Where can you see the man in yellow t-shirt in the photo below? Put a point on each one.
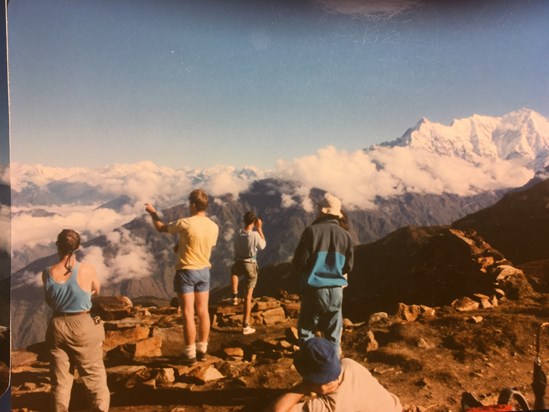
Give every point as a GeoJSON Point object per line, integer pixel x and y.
{"type": "Point", "coordinates": [197, 236]}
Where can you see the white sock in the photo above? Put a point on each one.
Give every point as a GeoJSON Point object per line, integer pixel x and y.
{"type": "Point", "coordinates": [202, 347]}
{"type": "Point", "coordinates": [190, 351]}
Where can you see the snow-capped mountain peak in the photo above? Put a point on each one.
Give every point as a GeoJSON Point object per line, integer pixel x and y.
{"type": "Point", "coordinates": [522, 136]}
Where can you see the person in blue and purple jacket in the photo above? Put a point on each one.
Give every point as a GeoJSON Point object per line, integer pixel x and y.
{"type": "Point", "coordinates": [322, 259]}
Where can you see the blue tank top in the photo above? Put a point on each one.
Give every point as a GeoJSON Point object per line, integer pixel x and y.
{"type": "Point", "coordinates": [67, 297]}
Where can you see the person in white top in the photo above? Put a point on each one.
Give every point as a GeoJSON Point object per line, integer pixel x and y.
{"type": "Point", "coordinates": [246, 245]}
{"type": "Point", "coordinates": [341, 385]}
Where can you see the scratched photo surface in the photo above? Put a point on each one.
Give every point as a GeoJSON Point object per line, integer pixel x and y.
{"type": "Point", "coordinates": [4, 216]}
{"type": "Point", "coordinates": [412, 112]}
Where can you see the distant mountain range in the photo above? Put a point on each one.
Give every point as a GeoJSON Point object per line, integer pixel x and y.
{"type": "Point", "coordinates": [426, 189]}
{"type": "Point", "coordinates": [521, 136]}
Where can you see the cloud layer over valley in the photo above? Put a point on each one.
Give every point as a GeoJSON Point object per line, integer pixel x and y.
{"type": "Point", "coordinates": [97, 201]}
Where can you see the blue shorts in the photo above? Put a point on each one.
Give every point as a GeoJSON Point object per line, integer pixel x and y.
{"type": "Point", "coordinates": [191, 280]}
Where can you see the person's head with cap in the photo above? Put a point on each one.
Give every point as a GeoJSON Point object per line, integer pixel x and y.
{"type": "Point", "coordinates": [317, 361]}
{"type": "Point", "coordinates": [330, 205]}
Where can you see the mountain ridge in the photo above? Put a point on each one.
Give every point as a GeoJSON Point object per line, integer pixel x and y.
{"type": "Point", "coordinates": [520, 137]}
{"type": "Point", "coordinates": [522, 134]}
{"type": "Point", "coordinates": [282, 225]}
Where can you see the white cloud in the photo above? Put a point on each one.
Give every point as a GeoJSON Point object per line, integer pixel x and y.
{"type": "Point", "coordinates": [345, 174]}
{"type": "Point", "coordinates": [222, 180]}
{"type": "Point", "coordinates": [379, 9]}
{"type": "Point", "coordinates": [94, 256]}
{"type": "Point", "coordinates": [358, 177]}
{"type": "Point", "coordinates": [287, 200]}
{"type": "Point", "coordinates": [33, 278]}
{"type": "Point", "coordinates": [30, 230]}
{"type": "Point", "coordinates": [228, 234]}
{"type": "Point", "coordinates": [23, 174]}
{"type": "Point", "coordinates": [132, 260]}
{"type": "Point", "coordinates": [141, 182]}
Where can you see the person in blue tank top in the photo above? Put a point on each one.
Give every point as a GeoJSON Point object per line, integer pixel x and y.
{"type": "Point", "coordinates": [75, 339]}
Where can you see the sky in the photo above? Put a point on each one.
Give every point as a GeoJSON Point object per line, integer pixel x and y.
{"type": "Point", "coordinates": [189, 84]}
{"type": "Point", "coordinates": [4, 111]}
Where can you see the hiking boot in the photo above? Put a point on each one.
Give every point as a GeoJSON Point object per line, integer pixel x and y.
{"type": "Point", "coordinates": [247, 330]}
{"type": "Point", "coordinates": [186, 361]}
{"type": "Point", "coordinates": [200, 356]}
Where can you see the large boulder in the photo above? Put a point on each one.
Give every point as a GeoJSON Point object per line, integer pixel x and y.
{"type": "Point", "coordinates": [112, 307]}
{"type": "Point", "coordinates": [431, 266]}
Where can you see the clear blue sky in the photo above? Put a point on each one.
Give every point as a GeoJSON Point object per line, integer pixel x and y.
{"type": "Point", "coordinates": [200, 83]}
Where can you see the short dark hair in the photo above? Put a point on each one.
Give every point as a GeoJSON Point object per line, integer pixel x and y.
{"type": "Point", "coordinates": [67, 241]}
{"type": "Point", "coordinates": [199, 199]}
{"type": "Point", "coordinates": [249, 218]}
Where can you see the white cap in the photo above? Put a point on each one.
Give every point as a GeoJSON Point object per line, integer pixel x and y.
{"type": "Point", "coordinates": [330, 205]}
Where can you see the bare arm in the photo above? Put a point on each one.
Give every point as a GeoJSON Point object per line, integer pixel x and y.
{"type": "Point", "coordinates": [87, 279]}
{"type": "Point", "coordinates": [259, 228]}
{"type": "Point", "coordinates": [288, 401]}
{"type": "Point", "coordinates": [44, 275]}
{"type": "Point", "coordinates": [161, 227]}
{"type": "Point", "coordinates": [95, 286]}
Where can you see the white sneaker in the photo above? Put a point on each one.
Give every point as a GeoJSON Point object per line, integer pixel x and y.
{"type": "Point", "coordinates": [247, 330]}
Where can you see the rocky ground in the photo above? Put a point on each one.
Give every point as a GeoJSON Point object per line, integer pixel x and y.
{"type": "Point", "coordinates": [478, 335]}
{"type": "Point", "coordinates": [427, 356]}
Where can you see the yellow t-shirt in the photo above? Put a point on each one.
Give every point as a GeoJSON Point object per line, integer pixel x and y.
{"type": "Point", "coordinates": [197, 237]}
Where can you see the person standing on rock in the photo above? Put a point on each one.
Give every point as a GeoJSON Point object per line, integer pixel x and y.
{"type": "Point", "coordinates": [322, 258]}
{"type": "Point", "coordinates": [197, 236]}
{"type": "Point", "coordinates": [340, 384]}
{"type": "Point", "coordinates": [247, 243]}
{"type": "Point", "coordinates": [75, 339]}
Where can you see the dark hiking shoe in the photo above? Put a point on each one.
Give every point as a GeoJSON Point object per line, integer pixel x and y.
{"type": "Point", "coordinates": [200, 356]}
{"type": "Point", "coordinates": [186, 361]}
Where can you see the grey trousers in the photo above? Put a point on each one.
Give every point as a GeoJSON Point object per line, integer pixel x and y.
{"type": "Point", "coordinates": [76, 342]}
{"type": "Point", "coordinates": [321, 310]}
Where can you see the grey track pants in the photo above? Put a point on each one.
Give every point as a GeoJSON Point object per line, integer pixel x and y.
{"type": "Point", "coordinates": [76, 342]}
